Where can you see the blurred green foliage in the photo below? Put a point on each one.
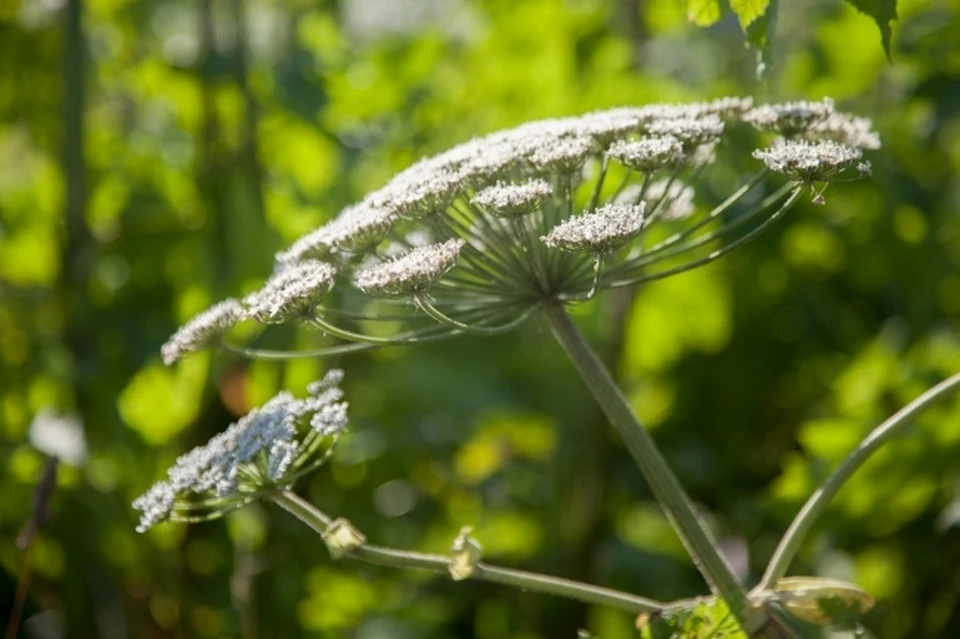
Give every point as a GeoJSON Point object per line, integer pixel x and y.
{"type": "Point", "coordinates": [153, 156]}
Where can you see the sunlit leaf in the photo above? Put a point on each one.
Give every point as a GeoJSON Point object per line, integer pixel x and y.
{"type": "Point", "coordinates": [160, 402]}
{"type": "Point", "coordinates": [883, 13]}
{"type": "Point", "coordinates": [748, 11]}
{"type": "Point", "coordinates": [703, 13]}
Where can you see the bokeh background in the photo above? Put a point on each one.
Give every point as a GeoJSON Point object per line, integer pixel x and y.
{"type": "Point", "coordinates": [154, 155]}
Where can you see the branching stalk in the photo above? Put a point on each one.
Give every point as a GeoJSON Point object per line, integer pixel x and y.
{"type": "Point", "coordinates": [382, 556]}
{"type": "Point", "coordinates": [818, 502]}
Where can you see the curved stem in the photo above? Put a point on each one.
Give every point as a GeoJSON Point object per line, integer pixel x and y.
{"type": "Point", "coordinates": [273, 354]}
{"type": "Point", "coordinates": [308, 514]}
{"type": "Point", "coordinates": [663, 483]}
{"type": "Point", "coordinates": [438, 315]}
{"type": "Point", "coordinates": [817, 502]}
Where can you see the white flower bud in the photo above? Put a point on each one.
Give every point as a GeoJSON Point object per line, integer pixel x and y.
{"type": "Point", "coordinates": [342, 538]}
{"type": "Point", "coordinates": [464, 555]}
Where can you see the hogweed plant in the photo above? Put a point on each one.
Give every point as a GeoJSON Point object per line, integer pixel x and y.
{"type": "Point", "coordinates": [522, 223]}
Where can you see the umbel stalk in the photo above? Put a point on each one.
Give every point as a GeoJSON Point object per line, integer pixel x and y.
{"type": "Point", "coordinates": [663, 483]}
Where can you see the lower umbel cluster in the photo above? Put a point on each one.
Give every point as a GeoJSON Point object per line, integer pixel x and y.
{"type": "Point", "coordinates": [271, 446]}
{"type": "Point", "coordinates": [477, 238]}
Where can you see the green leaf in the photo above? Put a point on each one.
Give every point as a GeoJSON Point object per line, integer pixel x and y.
{"type": "Point", "coordinates": [759, 32]}
{"type": "Point", "coordinates": [883, 13]}
{"type": "Point", "coordinates": [703, 13]}
{"type": "Point", "coordinates": [749, 11]}
{"type": "Point", "coordinates": [707, 618]}
{"type": "Point", "coordinates": [159, 402]}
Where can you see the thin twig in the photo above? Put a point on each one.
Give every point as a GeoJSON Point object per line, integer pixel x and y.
{"type": "Point", "coordinates": [818, 502]}
{"type": "Point", "coordinates": [310, 515]}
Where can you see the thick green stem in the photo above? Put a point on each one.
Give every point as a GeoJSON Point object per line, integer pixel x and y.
{"type": "Point", "coordinates": [310, 515]}
{"type": "Point", "coordinates": [663, 483]}
{"type": "Point", "coordinates": [818, 502]}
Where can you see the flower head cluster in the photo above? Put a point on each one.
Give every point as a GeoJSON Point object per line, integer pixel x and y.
{"type": "Point", "coordinates": [810, 161]}
{"type": "Point", "coordinates": [203, 330]}
{"type": "Point", "coordinates": [476, 238]}
{"type": "Point", "coordinates": [412, 272]}
{"type": "Point", "coordinates": [790, 118]}
{"type": "Point", "coordinates": [647, 154]}
{"type": "Point", "coordinates": [271, 445]}
{"type": "Point", "coordinates": [293, 292]}
{"type": "Point", "coordinates": [512, 200]}
{"type": "Point", "coordinates": [606, 229]}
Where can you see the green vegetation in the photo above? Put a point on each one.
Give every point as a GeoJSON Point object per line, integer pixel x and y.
{"type": "Point", "coordinates": [154, 157]}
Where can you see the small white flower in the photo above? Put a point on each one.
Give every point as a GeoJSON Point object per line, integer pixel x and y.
{"type": "Point", "coordinates": [808, 161]}
{"type": "Point", "coordinates": [280, 458]}
{"type": "Point", "coordinates": [293, 292]}
{"type": "Point", "coordinates": [202, 330]}
{"type": "Point", "coordinates": [155, 505]}
{"type": "Point", "coordinates": [607, 229]}
{"type": "Point", "coordinates": [512, 200]}
{"type": "Point", "coordinates": [647, 154]}
{"type": "Point", "coordinates": [411, 273]}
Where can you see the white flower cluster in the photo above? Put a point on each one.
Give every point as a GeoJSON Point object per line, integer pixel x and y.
{"type": "Point", "coordinates": [202, 330]}
{"type": "Point", "coordinates": [412, 272]}
{"type": "Point", "coordinates": [810, 161]}
{"type": "Point", "coordinates": [690, 131]}
{"type": "Point", "coordinates": [606, 229]}
{"type": "Point", "coordinates": [579, 184]}
{"type": "Point", "coordinates": [846, 129]}
{"type": "Point", "coordinates": [226, 466]}
{"type": "Point", "coordinates": [512, 200]}
{"type": "Point", "coordinates": [790, 118]}
{"type": "Point", "coordinates": [647, 154]}
{"type": "Point", "coordinates": [293, 292]}
{"type": "Point", "coordinates": [533, 149]}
